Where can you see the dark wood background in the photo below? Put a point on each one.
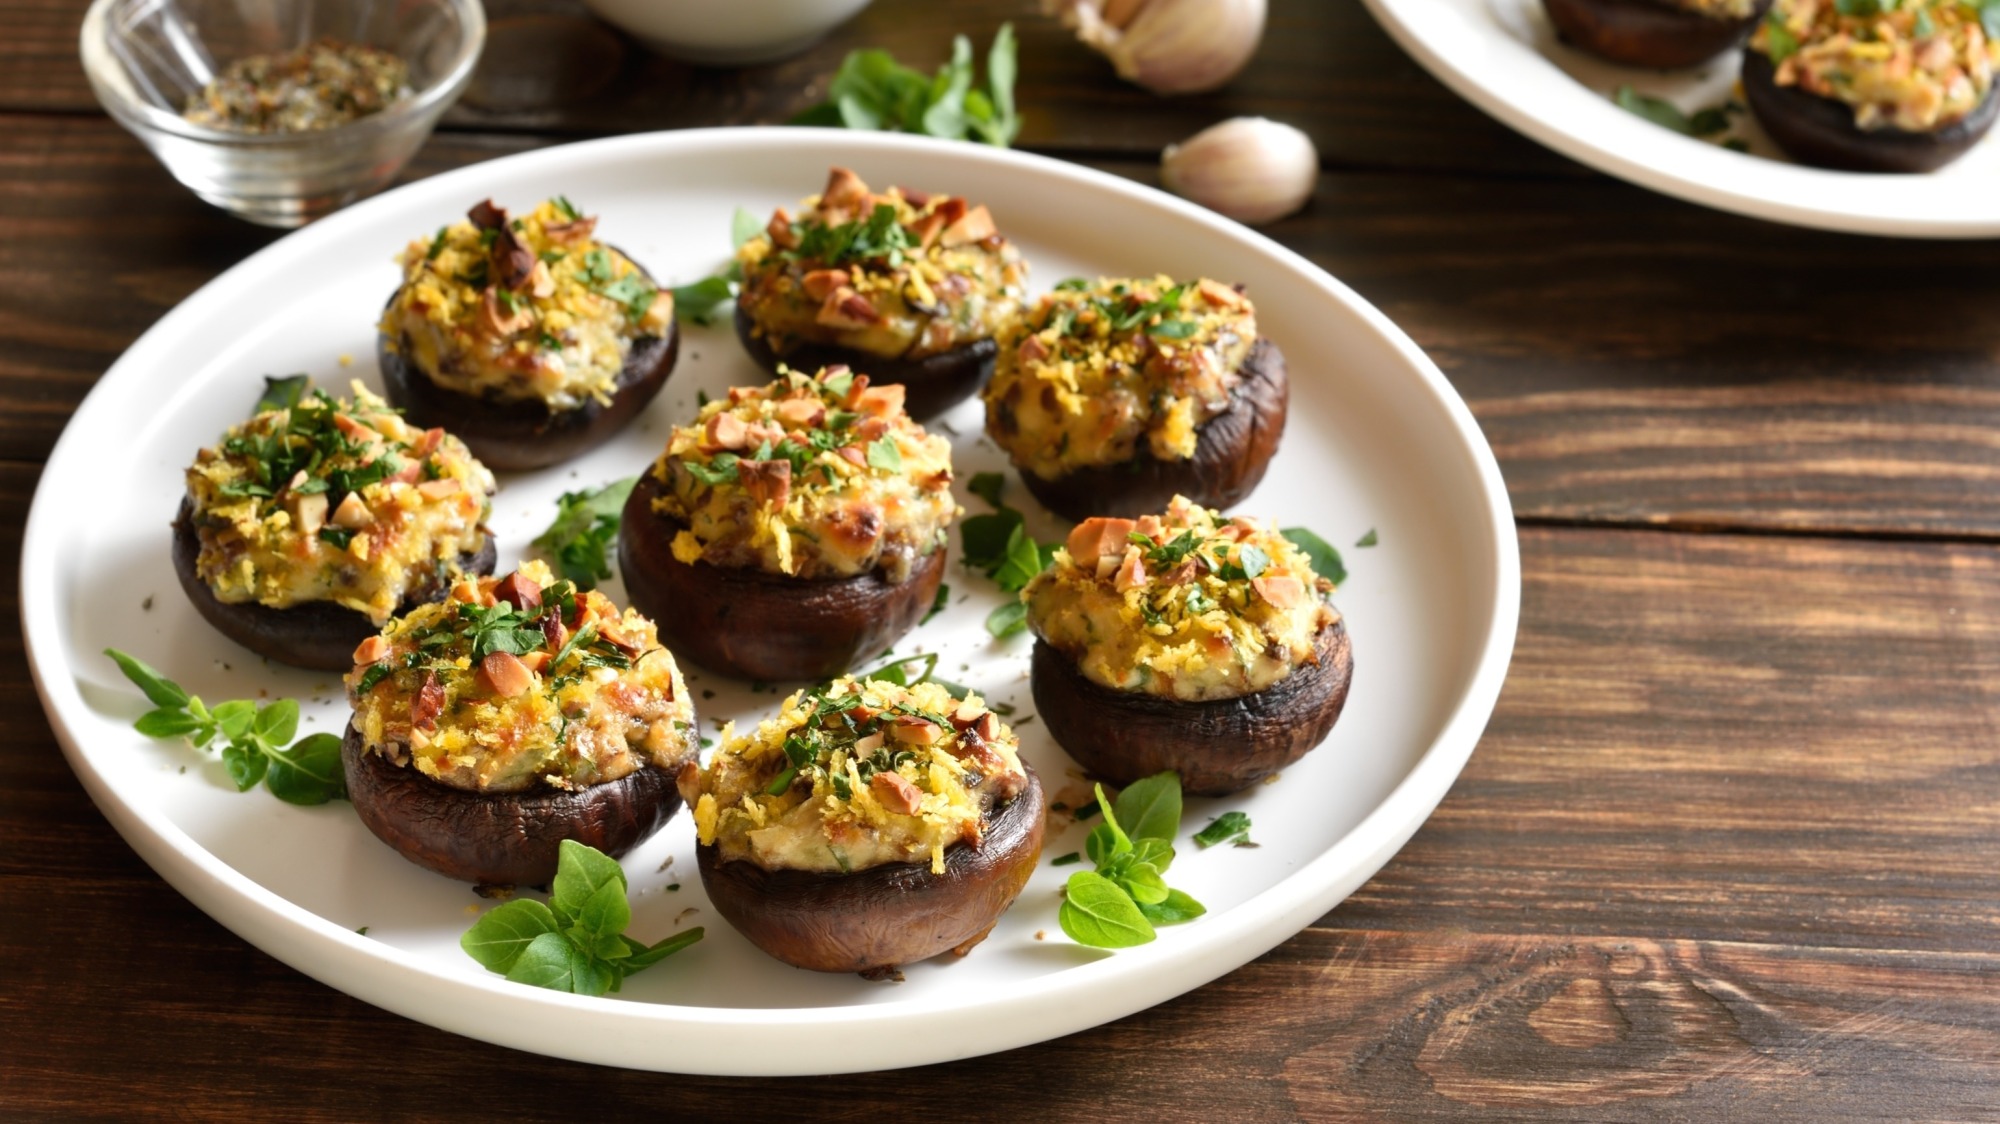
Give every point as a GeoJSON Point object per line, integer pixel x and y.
{"type": "Point", "coordinates": [1730, 847]}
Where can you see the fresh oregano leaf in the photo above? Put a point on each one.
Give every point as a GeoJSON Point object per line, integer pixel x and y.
{"type": "Point", "coordinates": [1150, 808]}
{"type": "Point", "coordinates": [581, 870]}
{"type": "Point", "coordinates": [246, 766]}
{"type": "Point", "coordinates": [308, 773]}
{"type": "Point", "coordinates": [1176, 908]}
{"type": "Point", "coordinates": [551, 961]}
{"type": "Point", "coordinates": [158, 689]}
{"type": "Point", "coordinates": [1099, 913]}
{"type": "Point", "coordinates": [498, 939]}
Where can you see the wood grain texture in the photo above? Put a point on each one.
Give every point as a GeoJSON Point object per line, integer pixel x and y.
{"type": "Point", "coordinates": [1725, 851]}
{"type": "Point", "coordinates": [1324, 66]}
{"type": "Point", "coordinates": [1633, 359]}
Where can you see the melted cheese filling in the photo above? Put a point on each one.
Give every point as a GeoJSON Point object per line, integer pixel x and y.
{"type": "Point", "coordinates": [1094, 370]}
{"type": "Point", "coordinates": [820, 477]}
{"type": "Point", "coordinates": [856, 775]}
{"type": "Point", "coordinates": [570, 716]}
{"type": "Point", "coordinates": [287, 542]}
{"type": "Point", "coordinates": [1205, 608]}
{"type": "Point", "coordinates": [560, 335]}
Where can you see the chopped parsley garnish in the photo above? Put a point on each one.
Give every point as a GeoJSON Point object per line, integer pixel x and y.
{"type": "Point", "coordinates": [878, 237]}
{"type": "Point", "coordinates": [1229, 827]}
{"type": "Point", "coordinates": [306, 441]}
{"type": "Point", "coordinates": [586, 525]}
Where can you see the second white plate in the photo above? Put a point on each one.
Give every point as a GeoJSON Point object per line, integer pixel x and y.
{"type": "Point", "coordinates": [1503, 56]}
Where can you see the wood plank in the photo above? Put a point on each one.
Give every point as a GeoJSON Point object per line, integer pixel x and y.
{"type": "Point", "coordinates": [1324, 65]}
{"type": "Point", "coordinates": [1720, 853]}
{"type": "Point", "coordinates": [1632, 358]}
{"type": "Point", "coordinates": [1701, 736]}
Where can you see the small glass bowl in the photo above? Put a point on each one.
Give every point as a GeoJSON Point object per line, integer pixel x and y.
{"type": "Point", "coordinates": [146, 58]}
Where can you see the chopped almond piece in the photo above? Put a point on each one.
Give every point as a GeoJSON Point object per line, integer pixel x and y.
{"type": "Point", "coordinates": [572, 232]}
{"type": "Point", "coordinates": [439, 489]}
{"type": "Point", "coordinates": [780, 230]}
{"type": "Point", "coordinates": [802, 413]}
{"type": "Point", "coordinates": [619, 640]}
{"type": "Point", "coordinates": [1218, 294]}
{"type": "Point", "coordinates": [854, 455]}
{"type": "Point", "coordinates": [541, 282]}
{"type": "Point", "coordinates": [927, 229]}
{"type": "Point", "coordinates": [1032, 349]}
{"type": "Point", "coordinates": [429, 702]}
{"type": "Point", "coordinates": [355, 431]}
{"type": "Point", "coordinates": [896, 794]}
{"type": "Point", "coordinates": [845, 308]}
{"type": "Point", "coordinates": [370, 651]}
{"type": "Point", "coordinates": [881, 401]}
{"type": "Point", "coordinates": [536, 662]}
{"type": "Point", "coordinates": [519, 590]}
{"type": "Point", "coordinates": [845, 191]}
{"type": "Point", "coordinates": [868, 429]}
{"type": "Point", "coordinates": [912, 730]}
{"type": "Point", "coordinates": [1280, 591]}
{"type": "Point", "coordinates": [1096, 537]}
{"type": "Point", "coordinates": [820, 282]}
{"type": "Point", "coordinates": [966, 715]}
{"type": "Point", "coordinates": [1149, 526]}
{"type": "Point", "coordinates": [975, 226]}
{"type": "Point", "coordinates": [1132, 571]}
{"type": "Point", "coordinates": [503, 323]}
{"type": "Point", "coordinates": [352, 513]}
{"type": "Point", "coordinates": [553, 633]}
{"type": "Point", "coordinates": [768, 482]}
{"type": "Point", "coordinates": [428, 443]}
{"type": "Point", "coordinates": [727, 431]}
{"type": "Point", "coordinates": [309, 513]}
{"type": "Point", "coordinates": [506, 675]}
{"type": "Point", "coordinates": [951, 210]}
{"type": "Point", "coordinates": [869, 744]}
{"type": "Point", "coordinates": [408, 473]}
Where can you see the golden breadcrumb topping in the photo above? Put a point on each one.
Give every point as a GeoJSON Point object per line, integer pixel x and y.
{"type": "Point", "coordinates": [1096, 369]}
{"type": "Point", "coordinates": [901, 273]}
{"type": "Point", "coordinates": [332, 500]}
{"type": "Point", "coordinates": [1917, 65]}
{"type": "Point", "coordinates": [522, 683]}
{"type": "Point", "coordinates": [1185, 605]}
{"type": "Point", "coordinates": [527, 308]}
{"type": "Point", "coordinates": [854, 775]}
{"type": "Point", "coordinates": [820, 476]}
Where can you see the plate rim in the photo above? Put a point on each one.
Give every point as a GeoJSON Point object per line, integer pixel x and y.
{"type": "Point", "coordinates": [1686, 169]}
{"type": "Point", "coordinates": [473, 1006]}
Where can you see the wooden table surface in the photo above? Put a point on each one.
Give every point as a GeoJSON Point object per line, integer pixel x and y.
{"type": "Point", "coordinates": [1730, 846]}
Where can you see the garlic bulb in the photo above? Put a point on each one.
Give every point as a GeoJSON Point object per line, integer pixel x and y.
{"type": "Point", "coordinates": [1168, 46]}
{"type": "Point", "coordinates": [1250, 168]}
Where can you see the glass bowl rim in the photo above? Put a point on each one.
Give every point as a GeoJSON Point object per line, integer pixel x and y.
{"type": "Point", "coordinates": [93, 47]}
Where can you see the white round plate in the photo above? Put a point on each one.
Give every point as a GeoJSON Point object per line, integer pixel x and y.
{"type": "Point", "coordinates": [1377, 440]}
{"type": "Point", "coordinates": [1503, 56]}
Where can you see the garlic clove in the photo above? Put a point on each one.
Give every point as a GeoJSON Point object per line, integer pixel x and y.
{"type": "Point", "coordinates": [1168, 46]}
{"type": "Point", "coordinates": [1252, 169]}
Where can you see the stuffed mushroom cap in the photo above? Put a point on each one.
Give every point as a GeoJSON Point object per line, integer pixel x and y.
{"type": "Point", "coordinates": [1915, 67]}
{"type": "Point", "coordinates": [530, 309]}
{"type": "Point", "coordinates": [522, 685]}
{"type": "Point", "coordinates": [899, 274]}
{"type": "Point", "coordinates": [1185, 605]}
{"type": "Point", "coordinates": [1101, 373]}
{"type": "Point", "coordinates": [334, 501]}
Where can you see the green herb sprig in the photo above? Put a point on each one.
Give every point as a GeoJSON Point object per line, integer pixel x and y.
{"type": "Point", "coordinates": [309, 772]}
{"type": "Point", "coordinates": [1708, 124]}
{"type": "Point", "coordinates": [1229, 827]}
{"type": "Point", "coordinates": [871, 90]}
{"type": "Point", "coordinates": [575, 943]}
{"type": "Point", "coordinates": [1119, 904]}
{"type": "Point", "coordinates": [586, 524]}
{"type": "Point", "coordinates": [998, 544]}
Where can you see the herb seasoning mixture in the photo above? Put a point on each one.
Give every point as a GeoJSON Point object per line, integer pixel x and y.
{"type": "Point", "coordinates": [526, 308]}
{"type": "Point", "coordinates": [854, 775]}
{"type": "Point", "coordinates": [898, 274]}
{"type": "Point", "coordinates": [1186, 605]}
{"type": "Point", "coordinates": [334, 501]}
{"type": "Point", "coordinates": [1095, 369]}
{"type": "Point", "coordinates": [819, 476]}
{"type": "Point", "coordinates": [1916, 65]}
{"type": "Point", "coordinates": [325, 83]}
{"type": "Point", "coordinates": [521, 683]}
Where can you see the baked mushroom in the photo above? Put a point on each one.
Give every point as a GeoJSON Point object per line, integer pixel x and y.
{"type": "Point", "coordinates": [869, 825]}
{"type": "Point", "coordinates": [1873, 87]}
{"type": "Point", "coordinates": [531, 339]}
{"type": "Point", "coordinates": [1114, 397]}
{"type": "Point", "coordinates": [904, 286]}
{"type": "Point", "coordinates": [1186, 641]}
{"type": "Point", "coordinates": [518, 713]}
{"type": "Point", "coordinates": [305, 528]}
{"type": "Point", "coordinates": [793, 529]}
{"type": "Point", "coordinates": [1662, 34]}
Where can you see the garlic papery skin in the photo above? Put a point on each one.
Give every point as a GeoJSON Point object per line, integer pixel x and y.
{"type": "Point", "coordinates": [1168, 46]}
{"type": "Point", "coordinates": [1252, 169]}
